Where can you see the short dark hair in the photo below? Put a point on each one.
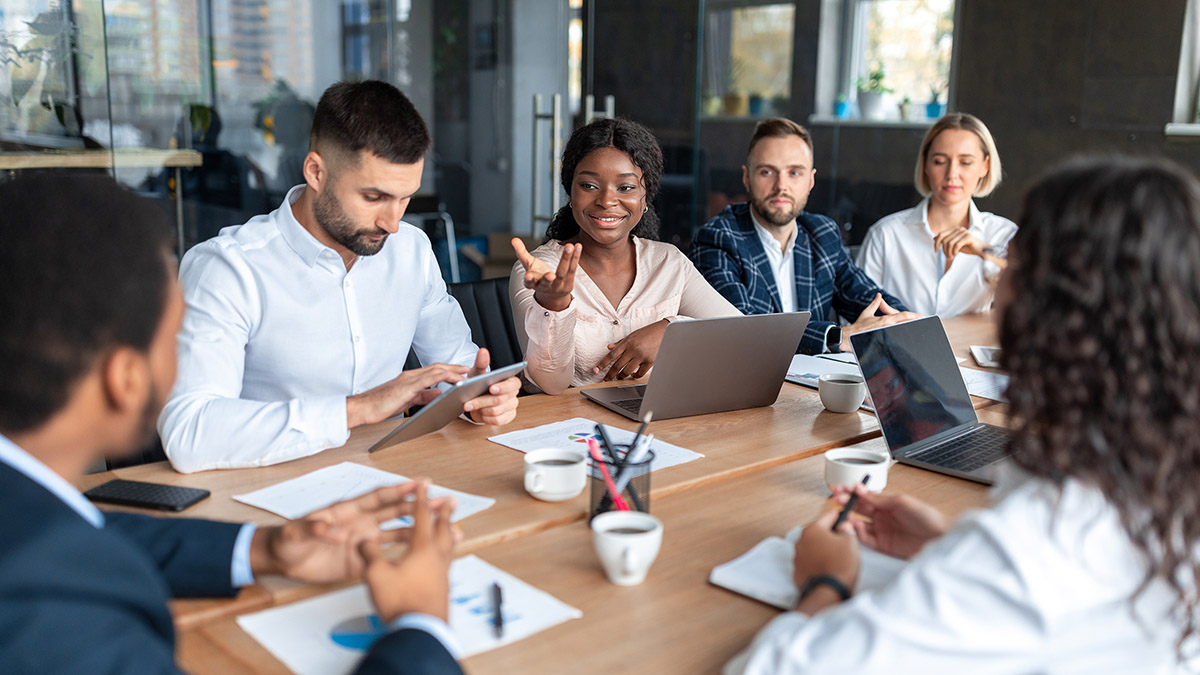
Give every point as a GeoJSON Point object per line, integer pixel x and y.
{"type": "Point", "coordinates": [778, 127]}
{"type": "Point", "coordinates": [83, 269]}
{"type": "Point", "coordinates": [369, 115]}
{"type": "Point", "coordinates": [627, 136]}
{"type": "Point", "coordinates": [1101, 339]}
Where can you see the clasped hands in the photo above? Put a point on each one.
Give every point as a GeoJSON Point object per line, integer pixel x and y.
{"type": "Point", "coordinates": [343, 541]}
{"type": "Point", "coordinates": [895, 525]}
{"type": "Point", "coordinates": [630, 357]}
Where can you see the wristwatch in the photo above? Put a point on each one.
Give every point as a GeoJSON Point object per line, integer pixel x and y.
{"type": "Point", "coordinates": [826, 580]}
{"type": "Point", "coordinates": [833, 339]}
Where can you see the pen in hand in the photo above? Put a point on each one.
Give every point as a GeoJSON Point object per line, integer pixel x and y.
{"type": "Point", "coordinates": [498, 610]}
{"type": "Point", "coordinates": [849, 506]}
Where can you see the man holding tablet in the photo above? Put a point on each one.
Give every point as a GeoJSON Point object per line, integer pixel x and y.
{"type": "Point", "coordinates": [299, 322]}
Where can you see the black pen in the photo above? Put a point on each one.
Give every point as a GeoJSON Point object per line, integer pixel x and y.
{"type": "Point", "coordinates": [608, 446]}
{"type": "Point", "coordinates": [849, 506]}
{"type": "Point", "coordinates": [498, 610]}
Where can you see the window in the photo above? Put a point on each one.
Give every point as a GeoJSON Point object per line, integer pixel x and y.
{"type": "Point", "coordinates": [1186, 115]}
{"type": "Point", "coordinates": [747, 59]}
{"type": "Point", "coordinates": [894, 52]}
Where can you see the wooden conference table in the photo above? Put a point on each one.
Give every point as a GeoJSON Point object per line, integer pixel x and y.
{"type": "Point", "coordinates": [759, 477]}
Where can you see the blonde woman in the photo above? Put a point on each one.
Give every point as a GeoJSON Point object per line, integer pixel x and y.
{"type": "Point", "coordinates": [944, 255]}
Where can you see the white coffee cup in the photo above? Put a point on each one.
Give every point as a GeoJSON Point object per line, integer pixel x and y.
{"type": "Point", "coordinates": [841, 392]}
{"type": "Point", "coordinates": [627, 543]}
{"type": "Point", "coordinates": [847, 466]}
{"type": "Point", "coordinates": [555, 474]}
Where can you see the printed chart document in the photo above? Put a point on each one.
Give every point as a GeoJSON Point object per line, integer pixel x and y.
{"type": "Point", "coordinates": [575, 432]}
{"type": "Point", "coordinates": [985, 383]}
{"type": "Point", "coordinates": [328, 635]}
{"type": "Point", "coordinates": [806, 369]}
{"type": "Point", "coordinates": [765, 571]}
{"type": "Point", "coordinates": [301, 496]}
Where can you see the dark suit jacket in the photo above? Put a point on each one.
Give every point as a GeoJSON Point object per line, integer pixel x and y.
{"type": "Point", "coordinates": [76, 599]}
{"type": "Point", "coordinates": [729, 254]}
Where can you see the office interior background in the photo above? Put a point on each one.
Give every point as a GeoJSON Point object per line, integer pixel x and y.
{"type": "Point", "coordinates": [206, 104]}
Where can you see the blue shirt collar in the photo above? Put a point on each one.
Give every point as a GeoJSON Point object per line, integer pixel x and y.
{"type": "Point", "coordinates": [41, 474]}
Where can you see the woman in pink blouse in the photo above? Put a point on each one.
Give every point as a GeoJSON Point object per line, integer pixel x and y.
{"type": "Point", "coordinates": [592, 303]}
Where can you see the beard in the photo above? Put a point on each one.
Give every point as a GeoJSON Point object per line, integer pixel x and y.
{"type": "Point", "coordinates": [333, 219]}
{"type": "Point", "coordinates": [778, 217]}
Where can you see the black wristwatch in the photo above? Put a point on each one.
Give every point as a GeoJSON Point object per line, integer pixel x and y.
{"type": "Point", "coordinates": [833, 339]}
{"type": "Point", "coordinates": [826, 580]}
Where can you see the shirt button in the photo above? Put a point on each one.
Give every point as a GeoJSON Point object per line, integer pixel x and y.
{"type": "Point", "coordinates": [358, 338]}
{"type": "Point", "coordinates": [545, 313]}
{"type": "Point", "coordinates": [349, 283]}
{"type": "Point", "coordinates": [615, 322]}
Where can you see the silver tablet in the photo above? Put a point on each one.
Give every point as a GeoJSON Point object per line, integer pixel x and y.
{"type": "Point", "coordinates": [446, 407]}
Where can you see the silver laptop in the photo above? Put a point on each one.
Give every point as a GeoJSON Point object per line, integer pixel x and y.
{"type": "Point", "coordinates": [922, 403]}
{"type": "Point", "coordinates": [712, 365]}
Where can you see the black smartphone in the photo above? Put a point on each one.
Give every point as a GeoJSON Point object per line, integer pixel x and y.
{"type": "Point", "coordinates": [146, 495]}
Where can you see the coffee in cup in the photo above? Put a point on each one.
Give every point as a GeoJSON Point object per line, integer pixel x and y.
{"type": "Point", "coordinates": [627, 543]}
{"type": "Point", "coordinates": [847, 466]}
{"type": "Point", "coordinates": [555, 474]}
{"type": "Point", "coordinates": [841, 392]}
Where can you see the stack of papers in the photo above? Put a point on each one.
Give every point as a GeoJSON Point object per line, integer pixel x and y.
{"type": "Point", "coordinates": [806, 369]}
{"type": "Point", "coordinates": [575, 432]}
{"type": "Point", "coordinates": [301, 496]}
{"type": "Point", "coordinates": [765, 571]}
{"type": "Point", "coordinates": [329, 635]}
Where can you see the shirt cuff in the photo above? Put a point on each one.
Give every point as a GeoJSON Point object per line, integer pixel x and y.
{"type": "Point", "coordinates": [432, 625]}
{"type": "Point", "coordinates": [240, 573]}
{"type": "Point", "coordinates": [825, 339]}
{"type": "Point", "coordinates": [321, 419]}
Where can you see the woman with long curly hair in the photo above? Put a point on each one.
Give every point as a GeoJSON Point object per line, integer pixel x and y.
{"type": "Point", "coordinates": [1088, 561]}
{"type": "Point", "coordinates": [592, 303]}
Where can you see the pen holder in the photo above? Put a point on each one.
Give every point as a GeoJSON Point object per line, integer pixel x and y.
{"type": "Point", "coordinates": [636, 491]}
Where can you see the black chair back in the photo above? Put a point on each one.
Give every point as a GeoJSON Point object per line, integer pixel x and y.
{"type": "Point", "coordinates": [489, 314]}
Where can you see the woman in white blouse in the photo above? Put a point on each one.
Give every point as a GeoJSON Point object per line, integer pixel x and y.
{"type": "Point", "coordinates": [1089, 559]}
{"type": "Point", "coordinates": [592, 303]}
{"type": "Point", "coordinates": [916, 253]}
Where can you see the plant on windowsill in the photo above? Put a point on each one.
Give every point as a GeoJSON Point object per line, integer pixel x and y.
{"type": "Point", "coordinates": [935, 108]}
{"type": "Point", "coordinates": [872, 93]}
{"type": "Point", "coordinates": [906, 107]}
{"type": "Point", "coordinates": [841, 107]}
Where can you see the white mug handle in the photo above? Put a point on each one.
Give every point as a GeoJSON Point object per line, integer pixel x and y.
{"type": "Point", "coordinates": [534, 481]}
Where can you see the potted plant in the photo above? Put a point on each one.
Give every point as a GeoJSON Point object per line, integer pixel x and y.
{"type": "Point", "coordinates": [871, 93]}
{"type": "Point", "coordinates": [841, 107]}
{"type": "Point", "coordinates": [906, 108]}
{"type": "Point", "coordinates": [935, 108]}
{"type": "Point", "coordinates": [755, 104]}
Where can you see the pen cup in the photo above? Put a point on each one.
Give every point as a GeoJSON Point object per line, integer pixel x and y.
{"type": "Point", "coordinates": [635, 477]}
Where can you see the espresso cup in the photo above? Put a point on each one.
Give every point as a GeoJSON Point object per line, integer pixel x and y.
{"type": "Point", "coordinates": [847, 466]}
{"type": "Point", "coordinates": [627, 543]}
{"type": "Point", "coordinates": [841, 392]}
{"type": "Point", "coordinates": [555, 474]}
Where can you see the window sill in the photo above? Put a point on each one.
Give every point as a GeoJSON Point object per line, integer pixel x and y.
{"type": "Point", "coordinates": [833, 120]}
{"type": "Point", "coordinates": [1182, 131]}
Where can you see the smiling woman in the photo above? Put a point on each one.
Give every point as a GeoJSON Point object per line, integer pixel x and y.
{"type": "Point", "coordinates": [592, 303]}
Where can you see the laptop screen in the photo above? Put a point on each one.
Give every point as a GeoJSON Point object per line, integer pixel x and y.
{"type": "Point", "coordinates": [914, 381]}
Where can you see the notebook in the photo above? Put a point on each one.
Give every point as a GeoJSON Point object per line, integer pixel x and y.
{"type": "Point", "coordinates": [922, 403]}
{"type": "Point", "coordinates": [712, 365]}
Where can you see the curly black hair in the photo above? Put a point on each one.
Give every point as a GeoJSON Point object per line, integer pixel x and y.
{"type": "Point", "coordinates": [627, 136]}
{"type": "Point", "coordinates": [1102, 341]}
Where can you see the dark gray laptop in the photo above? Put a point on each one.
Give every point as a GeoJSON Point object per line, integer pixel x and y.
{"type": "Point", "coordinates": [712, 365]}
{"type": "Point", "coordinates": [922, 403]}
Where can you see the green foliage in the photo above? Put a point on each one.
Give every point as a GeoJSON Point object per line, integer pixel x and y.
{"type": "Point", "coordinates": [873, 82]}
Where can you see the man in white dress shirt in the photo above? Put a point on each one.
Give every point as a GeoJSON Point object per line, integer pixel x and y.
{"type": "Point", "coordinates": [299, 321]}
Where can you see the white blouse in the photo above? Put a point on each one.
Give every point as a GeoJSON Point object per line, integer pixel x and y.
{"type": "Point", "coordinates": [898, 254]}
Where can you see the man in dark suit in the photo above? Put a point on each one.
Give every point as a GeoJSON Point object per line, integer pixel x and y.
{"type": "Point", "coordinates": [770, 255]}
{"type": "Point", "coordinates": [91, 307]}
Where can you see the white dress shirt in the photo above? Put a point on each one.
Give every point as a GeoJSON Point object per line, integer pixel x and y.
{"type": "Point", "coordinates": [278, 333]}
{"type": "Point", "coordinates": [898, 254]}
{"type": "Point", "coordinates": [1031, 585]}
{"type": "Point", "coordinates": [783, 262]}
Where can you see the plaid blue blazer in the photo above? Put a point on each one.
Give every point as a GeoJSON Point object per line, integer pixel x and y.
{"type": "Point", "coordinates": [728, 253]}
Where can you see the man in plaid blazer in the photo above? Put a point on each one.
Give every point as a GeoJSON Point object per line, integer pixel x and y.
{"type": "Point", "coordinates": [753, 251]}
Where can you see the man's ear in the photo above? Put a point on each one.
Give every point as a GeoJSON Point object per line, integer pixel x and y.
{"type": "Point", "coordinates": [316, 174]}
{"type": "Point", "coordinates": [125, 380]}
{"type": "Point", "coordinates": [746, 178]}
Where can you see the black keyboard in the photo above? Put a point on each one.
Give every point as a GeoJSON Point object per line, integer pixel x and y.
{"type": "Point", "coordinates": [631, 404]}
{"type": "Point", "coordinates": [968, 452]}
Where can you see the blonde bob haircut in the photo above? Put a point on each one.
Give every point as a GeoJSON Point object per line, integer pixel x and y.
{"type": "Point", "coordinates": [970, 123]}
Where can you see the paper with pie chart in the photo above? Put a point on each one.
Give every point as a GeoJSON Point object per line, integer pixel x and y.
{"type": "Point", "coordinates": [573, 433]}
{"type": "Point", "coordinates": [328, 635]}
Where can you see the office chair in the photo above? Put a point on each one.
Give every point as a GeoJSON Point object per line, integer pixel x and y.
{"type": "Point", "coordinates": [488, 311]}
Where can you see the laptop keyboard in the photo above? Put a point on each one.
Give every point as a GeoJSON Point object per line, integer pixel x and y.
{"type": "Point", "coordinates": [969, 451]}
{"type": "Point", "coordinates": [631, 404]}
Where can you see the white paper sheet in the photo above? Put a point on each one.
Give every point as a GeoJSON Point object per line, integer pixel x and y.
{"type": "Point", "coordinates": [573, 433]}
{"type": "Point", "coordinates": [329, 635]}
{"type": "Point", "coordinates": [765, 571]}
{"type": "Point", "coordinates": [806, 369]}
{"type": "Point", "coordinates": [985, 383]}
{"type": "Point", "coordinates": [301, 496]}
